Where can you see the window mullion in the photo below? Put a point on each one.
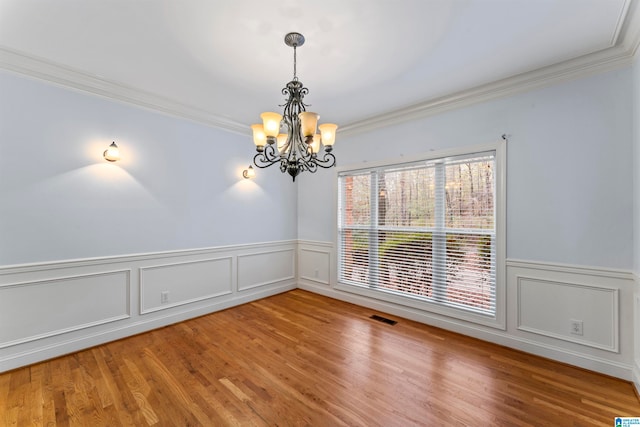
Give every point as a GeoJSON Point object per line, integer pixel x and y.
{"type": "Point", "coordinates": [439, 245]}
{"type": "Point", "coordinates": [373, 232]}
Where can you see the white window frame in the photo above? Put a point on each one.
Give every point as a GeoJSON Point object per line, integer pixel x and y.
{"type": "Point", "coordinates": [499, 319]}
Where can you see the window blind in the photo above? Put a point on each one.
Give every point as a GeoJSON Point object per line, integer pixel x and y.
{"type": "Point", "coordinates": [423, 230]}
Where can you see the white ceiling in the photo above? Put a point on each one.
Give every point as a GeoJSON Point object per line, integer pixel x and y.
{"type": "Point", "coordinates": [224, 61]}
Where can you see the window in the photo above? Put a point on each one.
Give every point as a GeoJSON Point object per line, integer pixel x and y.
{"type": "Point", "coordinates": [422, 231]}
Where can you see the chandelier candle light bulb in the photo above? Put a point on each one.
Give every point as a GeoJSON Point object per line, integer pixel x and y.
{"type": "Point", "coordinates": [290, 139]}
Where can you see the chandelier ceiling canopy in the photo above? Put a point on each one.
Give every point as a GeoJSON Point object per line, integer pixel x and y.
{"type": "Point", "coordinates": [290, 139]}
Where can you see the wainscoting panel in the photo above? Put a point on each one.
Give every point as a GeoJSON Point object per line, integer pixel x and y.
{"type": "Point", "coordinates": [38, 309]}
{"type": "Point", "coordinates": [554, 309]}
{"type": "Point", "coordinates": [542, 300]}
{"type": "Point", "coordinates": [315, 265]}
{"type": "Point", "coordinates": [51, 309]}
{"type": "Point", "coordinates": [183, 283]}
{"type": "Point", "coordinates": [546, 301]}
{"type": "Point", "coordinates": [265, 268]}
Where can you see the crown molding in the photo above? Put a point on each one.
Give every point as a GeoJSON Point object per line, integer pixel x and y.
{"type": "Point", "coordinates": [624, 46]}
{"type": "Point", "coordinates": [68, 77]}
{"type": "Point", "coordinates": [606, 60]}
{"type": "Point", "coordinates": [629, 37]}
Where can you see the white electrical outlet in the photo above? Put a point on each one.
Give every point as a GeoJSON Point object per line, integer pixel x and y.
{"type": "Point", "coordinates": [576, 327]}
{"type": "Point", "coordinates": [164, 297]}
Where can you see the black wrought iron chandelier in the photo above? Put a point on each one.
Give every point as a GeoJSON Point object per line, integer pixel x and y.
{"type": "Point", "coordinates": [298, 147]}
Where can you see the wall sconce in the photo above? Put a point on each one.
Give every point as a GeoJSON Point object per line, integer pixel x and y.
{"type": "Point", "coordinates": [249, 173]}
{"type": "Point", "coordinates": [112, 154]}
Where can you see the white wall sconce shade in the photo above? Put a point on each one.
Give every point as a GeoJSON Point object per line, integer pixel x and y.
{"type": "Point", "coordinates": [112, 153]}
{"type": "Point", "coordinates": [249, 173]}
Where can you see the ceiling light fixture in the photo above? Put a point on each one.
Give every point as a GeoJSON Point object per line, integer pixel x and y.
{"type": "Point", "coordinates": [298, 147]}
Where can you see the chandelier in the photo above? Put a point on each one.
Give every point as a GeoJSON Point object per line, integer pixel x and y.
{"type": "Point", "coordinates": [290, 139]}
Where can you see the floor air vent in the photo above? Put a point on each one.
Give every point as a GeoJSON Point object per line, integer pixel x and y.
{"type": "Point", "coordinates": [383, 319]}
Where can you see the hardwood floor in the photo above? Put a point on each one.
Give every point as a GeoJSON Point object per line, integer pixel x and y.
{"type": "Point", "coordinates": [300, 359]}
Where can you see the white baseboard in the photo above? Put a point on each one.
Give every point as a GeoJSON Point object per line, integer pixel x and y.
{"type": "Point", "coordinates": [51, 309]}
{"type": "Point", "coordinates": [635, 376]}
{"type": "Point", "coordinates": [636, 332]}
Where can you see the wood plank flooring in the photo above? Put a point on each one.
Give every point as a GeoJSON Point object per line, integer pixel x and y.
{"type": "Point", "coordinates": [300, 359]}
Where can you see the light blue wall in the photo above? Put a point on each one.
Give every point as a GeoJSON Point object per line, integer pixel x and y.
{"type": "Point", "coordinates": [570, 174]}
{"type": "Point", "coordinates": [569, 170]}
{"type": "Point", "coordinates": [636, 171]}
{"type": "Point", "coordinates": [178, 186]}
{"type": "Point", "coordinates": [636, 217]}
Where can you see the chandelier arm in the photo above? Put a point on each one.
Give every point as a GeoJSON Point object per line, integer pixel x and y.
{"type": "Point", "coordinates": [310, 167]}
{"type": "Point", "coordinates": [267, 157]}
{"type": "Point", "coordinates": [328, 160]}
